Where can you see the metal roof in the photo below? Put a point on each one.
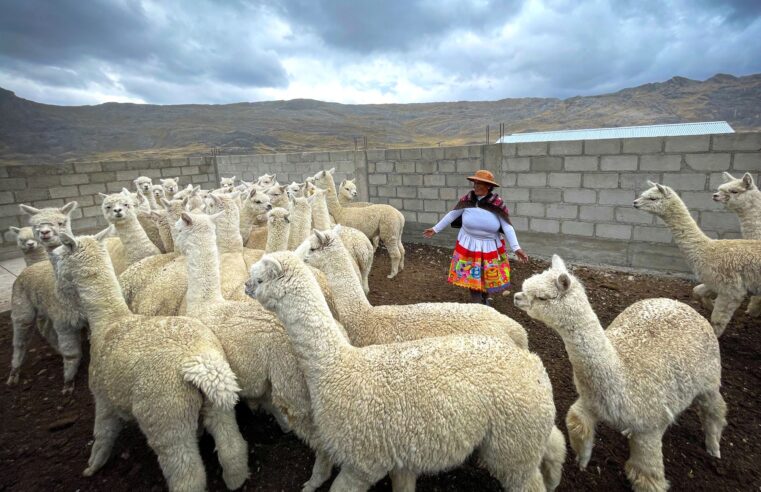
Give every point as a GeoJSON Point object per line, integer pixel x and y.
{"type": "Point", "coordinates": [702, 128]}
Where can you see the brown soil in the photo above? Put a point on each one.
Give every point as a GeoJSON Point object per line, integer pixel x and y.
{"type": "Point", "coordinates": [45, 438]}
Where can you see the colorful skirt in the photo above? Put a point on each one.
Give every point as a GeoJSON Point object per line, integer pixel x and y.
{"type": "Point", "coordinates": [481, 267]}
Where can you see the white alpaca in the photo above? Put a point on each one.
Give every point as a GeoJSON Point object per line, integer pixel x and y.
{"type": "Point", "coordinates": [376, 220]}
{"type": "Point", "coordinates": [278, 197]}
{"type": "Point", "coordinates": [33, 251]}
{"type": "Point", "coordinates": [266, 180]}
{"type": "Point", "coordinates": [253, 219]}
{"type": "Point", "coordinates": [301, 222]}
{"type": "Point", "coordinates": [294, 190]}
{"type": "Point", "coordinates": [278, 227]}
{"type": "Point", "coordinates": [158, 193]}
{"type": "Point", "coordinates": [120, 210]}
{"type": "Point", "coordinates": [347, 193]}
{"type": "Point", "coordinates": [638, 375]}
{"type": "Point", "coordinates": [729, 267]}
{"type": "Point", "coordinates": [170, 186]}
{"type": "Point", "coordinates": [416, 407]}
{"type": "Point", "coordinates": [144, 186]}
{"type": "Point", "coordinates": [145, 217]}
{"type": "Point", "coordinates": [162, 372]}
{"type": "Point", "coordinates": [227, 185]}
{"type": "Point", "coordinates": [366, 324]}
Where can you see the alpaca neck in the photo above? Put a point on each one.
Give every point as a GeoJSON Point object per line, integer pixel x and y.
{"type": "Point", "coordinates": [350, 300]}
{"type": "Point", "coordinates": [204, 284]}
{"type": "Point", "coordinates": [152, 204]}
{"type": "Point", "coordinates": [101, 298]}
{"type": "Point", "coordinates": [35, 255]}
{"type": "Point", "coordinates": [165, 232]}
{"type": "Point", "coordinates": [687, 235]}
{"type": "Point", "coordinates": [229, 239]}
{"type": "Point", "coordinates": [334, 207]}
{"type": "Point", "coordinates": [750, 216]}
{"type": "Point", "coordinates": [136, 243]}
{"type": "Point", "coordinates": [250, 219]}
{"type": "Point", "coordinates": [343, 200]}
{"type": "Point", "coordinates": [320, 214]}
{"type": "Point", "coordinates": [277, 238]}
{"type": "Point", "coordinates": [301, 225]}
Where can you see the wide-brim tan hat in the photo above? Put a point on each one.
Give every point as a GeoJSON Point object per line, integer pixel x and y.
{"type": "Point", "coordinates": [484, 176]}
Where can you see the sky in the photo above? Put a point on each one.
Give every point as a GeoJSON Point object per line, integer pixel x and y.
{"type": "Point", "coordinates": [79, 52]}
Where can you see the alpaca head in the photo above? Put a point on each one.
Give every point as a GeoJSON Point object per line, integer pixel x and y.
{"type": "Point", "coordinates": [277, 275]}
{"type": "Point", "coordinates": [25, 238]}
{"type": "Point", "coordinates": [158, 192]}
{"type": "Point", "coordinates": [553, 296]}
{"type": "Point", "coordinates": [309, 188]}
{"type": "Point", "coordinates": [144, 184]}
{"type": "Point", "coordinates": [185, 192]}
{"type": "Point", "coordinates": [322, 249]}
{"type": "Point", "coordinates": [118, 207]}
{"type": "Point", "coordinates": [277, 195]}
{"type": "Point", "coordinates": [293, 190]}
{"type": "Point", "coordinates": [48, 223]}
{"type": "Point", "coordinates": [658, 199]}
{"type": "Point", "coordinates": [266, 180]}
{"type": "Point", "coordinates": [227, 184]}
{"type": "Point", "coordinates": [278, 219]}
{"type": "Point", "coordinates": [322, 178]}
{"type": "Point", "coordinates": [734, 192]}
{"type": "Point", "coordinates": [195, 198]}
{"type": "Point", "coordinates": [244, 187]}
{"type": "Point", "coordinates": [195, 230]}
{"type": "Point", "coordinates": [170, 186]}
{"type": "Point", "coordinates": [257, 202]}
{"type": "Point", "coordinates": [348, 189]}
{"type": "Point", "coordinates": [225, 203]}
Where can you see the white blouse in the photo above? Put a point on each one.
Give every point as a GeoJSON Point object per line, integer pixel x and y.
{"type": "Point", "coordinates": [479, 226]}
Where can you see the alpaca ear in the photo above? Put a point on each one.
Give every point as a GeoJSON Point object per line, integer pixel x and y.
{"type": "Point", "coordinates": [727, 177]}
{"type": "Point", "coordinates": [331, 171]}
{"type": "Point", "coordinates": [104, 233]}
{"type": "Point", "coordinates": [216, 199]}
{"type": "Point", "coordinates": [14, 230]}
{"type": "Point", "coordinates": [102, 195]}
{"type": "Point", "coordinates": [197, 189]}
{"type": "Point", "coordinates": [155, 215]}
{"type": "Point", "coordinates": [252, 193]}
{"type": "Point", "coordinates": [558, 264]}
{"type": "Point", "coordinates": [662, 189]}
{"type": "Point", "coordinates": [273, 177]}
{"type": "Point", "coordinates": [273, 267]}
{"type": "Point", "coordinates": [321, 237]}
{"type": "Point", "coordinates": [29, 210]}
{"type": "Point", "coordinates": [747, 181]}
{"type": "Point", "coordinates": [233, 178]}
{"type": "Point", "coordinates": [342, 184]}
{"type": "Point", "coordinates": [163, 180]}
{"type": "Point", "coordinates": [234, 194]}
{"type": "Point", "coordinates": [215, 216]}
{"type": "Point", "coordinates": [177, 180]}
{"type": "Point", "coordinates": [186, 218]}
{"type": "Point", "coordinates": [563, 282]}
{"type": "Point", "coordinates": [68, 241]}
{"type": "Point", "coordinates": [650, 184]}
{"type": "Point", "coordinates": [319, 174]}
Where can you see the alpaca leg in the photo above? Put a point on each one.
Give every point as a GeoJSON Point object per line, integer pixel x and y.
{"type": "Point", "coordinates": [106, 430]}
{"type": "Point", "coordinates": [351, 480]}
{"type": "Point", "coordinates": [713, 411]}
{"type": "Point", "coordinates": [723, 310]}
{"type": "Point", "coordinates": [232, 449]}
{"type": "Point", "coordinates": [376, 242]}
{"type": "Point", "coordinates": [70, 345]}
{"type": "Point", "coordinates": [23, 318]}
{"type": "Point", "coordinates": [402, 480]}
{"type": "Point", "coordinates": [321, 472]}
{"type": "Point", "coordinates": [392, 245]}
{"type": "Point", "coordinates": [45, 327]}
{"type": "Point", "coordinates": [402, 253]}
{"type": "Point", "coordinates": [553, 459]}
{"type": "Point", "coordinates": [581, 432]}
{"type": "Point", "coordinates": [705, 295]}
{"type": "Point", "coordinates": [644, 468]}
{"type": "Point", "coordinates": [754, 307]}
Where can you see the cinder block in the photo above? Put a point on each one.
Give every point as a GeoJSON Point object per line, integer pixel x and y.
{"type": "Point", "coordinates": [532, 179]}
{"type": "Point", "coordinates": [515, 194]}
{"type": "Point", "coordinates": [434, 180]}
{"type": "Point", "coordinates": [708, 162]}
{"type": "Point", "coordinates": [43, 181]}
{"type": "Point", "coordinates": [572, 147]}
{"type": "Point", "coordinates": [375, 154]}
{"type": "Point", "coordinates": [413, 204]}
{"type": "Point", "coordinates": [411, 154]}
{"type": "Point", "coordinates": [600, 180]}
{"type": "Point", "coordinates": [546, 163]}
{"type": "Point", "coordinates": [410, 216]}
{"type": "Point", "coordinates": [190, 170]}
{"type": "Point", "coordinates": [64, 191]}
{"type": "Point", "coordinates": [519, 223]}
{"type": "Point", "coordinates": [456, 153]}
{"type": "Point", "coordinates": [74, 179]}
{"type": "Point", "coordinates": [562, 211]}
{"type": "Point", "coordinates": [546, 195]}
{"type": "Point", "coordinates": [377, 179]}
{"type": "Point", "coordinates": [92, 211]}
{"type": "Point", "coordinates": [660, 162]}
{"type": "Point", "coordinates": [447, 166]}
{"type": "Point", "coordinates": [718, 221]}
{"type": "Point", "coordinates": [428, 217]}
{"type": "Point", "coordinates": [412, 179]}
{"type": "Point", "coordinates": [565, 180]}
{"type": "Point", "coordinates": [386, 191]}
{"type": "Point", "coordinates": [432, 153]}
{"type": "Point", "coordinates": [517, 164]}
{"type": "Point", "coordinates": [384, 167]}
{"type": "Point", "coordinates": [396, 179]}
{"type": "Point", "coordinates": [618, 163]}
{"type": "Point", "coordinates": [532, 148]}
{"type": "Point", "coordinates": [650, 145]}
{"type": "Point", "coordinates": [613, 231]}
{"type": "Point", "coordinates": [468, 166]}
{"type": "Point", "coordinates": [87, 167]}
{"type": "Point", "coordinates": [476, 151]}
{"type": "Point", "coordinates": [341, 155]}
{"type": "Point", "coordinates": [685, 181]}
{"type": "Point", "coordinates": [737, 141]}
{"type": "Point", "coordinates": [548, 226]}
{"type": "Point", "coordinates": [530, 209]}
{"type": "Point", "coordinates": [427, 193]}
{"type": "Point", "coordinates": [425, 167]}
{"type": "Point", "coordinates": [26, 196]}
{"type": "Point", "coordinates": [596, 213]}
{"type": "Point", "coordinates": [700, 200]}
{"type": "Point", "coordinates": [113, 187]}
{"type": "Point", "coordinates": [578, 228]}
{"type": "Point", "coordinates": [599, 147]}
{"type": "Point", "coordinates": [7, 197]}
{"type": "Point", "coordinates": [406, 192]}
{"type": "Point", "coordinates": [435, 206]}
{"type": "Point", "coordinates": [58, 202]}
{"type": "Point", "coordinates": [579, 196]}
{"type": "Point", "coordinates": [688, 143]}
{"type": "Point", "coordinates": [633, 216]}
{"type": "Point", "coordinates": [448, 193]}
{"type": "Point", "coordinates": [581, 163]}
{"type": "Point", "coordinates": [114, 165]}
{"type": "Point", "coordinates": [616, 197]}
{"type": "Point", "coordinates": [509, 149]}
{"type": "Point", "coordinates": [171, 172]}
{"type": "Point", "coordinates": [104, 177]}
{"type": "Point", "coordinates": [747, 162]}
{"type": "Point", "coordinates": [638, 181]}
{"type": "Point", "coordinates": [397, 203]}
{"type": "Point", "coordinates": [405, 167]}
{"type": "Point", "coordinates": [508, 180]}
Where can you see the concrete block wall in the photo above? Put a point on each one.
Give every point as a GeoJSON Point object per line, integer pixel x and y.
{"type": "Point", "coordinates": [52, 186]}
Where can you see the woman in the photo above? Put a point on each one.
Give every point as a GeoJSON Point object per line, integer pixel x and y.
{"type": "Point", "coordinates": [480, 262]}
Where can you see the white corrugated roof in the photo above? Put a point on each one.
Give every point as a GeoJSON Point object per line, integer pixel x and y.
{"type": "Point", "coordinates": [702, 128]}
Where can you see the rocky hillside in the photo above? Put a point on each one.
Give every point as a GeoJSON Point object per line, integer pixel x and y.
{"type": "Point", "coordinates": [38, 133]}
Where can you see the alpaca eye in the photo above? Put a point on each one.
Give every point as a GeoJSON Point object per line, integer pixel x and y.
{"type": "Point", "coordinates": [734, 192]}
{"type": "Point", "coordinates": [652, 198]}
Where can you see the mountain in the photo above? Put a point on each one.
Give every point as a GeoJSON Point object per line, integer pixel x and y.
{"type": "Point", "coordinates": [31, 132]}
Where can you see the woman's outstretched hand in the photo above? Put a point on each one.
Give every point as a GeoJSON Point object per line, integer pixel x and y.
{"type": "Point", "coordinates": [522, 256]}
{"type": "Point", "coordinates": [429, 233]}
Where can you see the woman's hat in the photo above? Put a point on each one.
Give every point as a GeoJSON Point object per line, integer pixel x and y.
{"type": "Point", "coordinates": [484, 176]}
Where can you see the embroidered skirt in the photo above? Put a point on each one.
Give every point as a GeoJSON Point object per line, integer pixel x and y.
{"type": "Point", "coordinates": [480, 265]}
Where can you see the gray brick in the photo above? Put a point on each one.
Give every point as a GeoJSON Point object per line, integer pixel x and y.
{"type": "Point", "coordinates": [618, 163]}
{"type": "Point", "coordinates": [410, 216]}
{"type": "Point", "coordinates": [633, 216]}
{"type": "Point", "coordinates": [638, 181]}
{"type": "Point", "coordinates": [519, 223]}
{"type": "Point", "coordinates": [397, 179]}
{"type": "Point", "coordinates": [600, 180]}
{"type": "Point", "coordinates": [114, 165]}
{"type": "Point", "coordinates": [456, 152]}
{"type": "Point", "coordinates": [565, 180]}
{"type": "Point", "coordinates": [549, 226]}
{"type": "Point", "coordinates": [448, 193]}
{"type": "Point", "coordinates": [425, 167]}
{"type": "Point", "coordinates": [578, 228]}
{"type": "Point", "coordinates": [660, 162]}
{"type": "Point", "coordinates": [384, 167]}
{"type": "Point", "coordinates": [435, 206]}
{"type": "Point", "coordinates": [616, 197]}
{"type": "Point", "coordinates": [476, 151]}
{"type": "Point", "coordinates": [596, 213]}
{"type": "Point", "coordinates": [92, 211]}
{"type": "Point", "coordinates": [532, 148]}
{"type": "Point", "coordinates": [517, 164]}
{"type": "Point", "coordinates": [64, 191]}
{"type": "Point", "coordinates": [48, 203]}
{"type": "Point", "coordinates": [566, 148]}
{"type": "Point", "coordinates": [412, 180]}
{"type": "Point", "coordinates": [405, 192]}
{"type": "Point", "coordinates": [708, 162]}
{"type": "Point", "coordinates": [737, 141]}
{"type": "Point", "coordinates": [411, 154]}
{"type": "Point", "coordinates": [112, 187]}
{"type": "Point", "coordinates": [87, 167]}
{"type": "Point", "coordinates": [509, 149]}
{"type": "Point", "coordinates": [377, 179]}
{"type": "Point", "coordinates": [192, 170]}
{"type": "Point", "coordinates": [508, 180]}
{"type": "Point", "coordinates": [515, 194]}
{"type": "Point", "coordinates": [7, 197]}
{"type": "Point", "coordinates": [37, 182]}
{"type": "Point", "coordinates": [405, 167]}
{"type": "Point", "coordinates": [375, 154]}
{"type": "Point", "coordinates": [413, 204]}
{"type": "Point", "coordinates": [613, 231]}
{"type": "Point", "coordinates": [468, 166]}
{"type": "Point", "coordinates": [447, 166]}
{"type": "Point", "coordinates": [690, 143]}
{"type": "Point", "coordinates": [546, 163]}
{"type": "Point", "coordinates": [13, 184]}
{"type": "Point", "coordinates": [685, 181]}
{"type": "Point", "coordinates": [432, 153]}
{"type": "Point", "coordinates": [105, 177]}
{"type": "Point", "coordinates": [397, 203]}
{"type": "Point", "coordinates": [428, 217]}
{"type": "Point", "coordinates": [74, 179]}
{"type": "Point", "coordinates": [649, 145]}
{"type": "Point", "coordinates": [170, 172]}
{"type": "Point", "coordinates": [532, 179]}
{"type": "Point", "coordinates": [9, 210]}
{"type": "Point", "coordinates": [580, 196]}
{"type": "Point", "coordinates": [747, 162]}
{"type": "Point", "coordinates": [26, 196]}
{"type": "Point", "coordinates": [582, 163]}
{"type": "Point", "coordinates": [530, 209]}
{"type": "Point", "coordinates": [427, 193]}
{"type": "Point", "coordinates": [455, 180]}
{"type": "Point", "coordinates": [562, 211]}
{"type": "Point", "coordinates": [544, 195]}
{"type": "Point", "coordinates": [718, 221]}
{"type": "Point", "coordinates": [599, 147]}
{"type": "Point", "coordinates": [434, 180]}
{"type": "Point", "coordinates": [700, 200]}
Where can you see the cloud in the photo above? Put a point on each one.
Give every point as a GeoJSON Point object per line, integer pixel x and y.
{"type": "Point", "coordinates": [365, 51]}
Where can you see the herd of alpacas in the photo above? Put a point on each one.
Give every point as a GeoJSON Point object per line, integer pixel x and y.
{"type": "Point", "coordinates": [194, 300]}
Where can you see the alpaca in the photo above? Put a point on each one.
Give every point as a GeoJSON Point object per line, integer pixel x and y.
{"type": "Point", "coordinates": [33, 251]}
{"type": "Point", "coordinates": [376, 220]}
{"type": "Point", "coordinates": [120, 210]}
{"type": "Point", "coordinates": [347, 192]}
{"type": "Point", "coordinates": [278, 227]}
{"type": "Point", "coordinates": [301, 222]}
{"type": "Point", "coordinates": [145, 217]}
{"type": "Point", "coordinates": [162, 372]}
{"type": "Point", "coordinates": [730, 267]}
{"type": "Point", "coordinates": [253, 219]}
{"type": "Point", "coordinates": [638, 375]}
{"type": "Point", "coordinates": [415, 407]}
{"type": "Point", "coordinates": [366, 324]}
{"type": "Point", "coordinates": [170, 186]}
{"type": "Point", "coordinates": [227, 185]}
{"type": "Point", "coordinates": [158, 193]}
{"type": "Point", "coordinates": [144, 187]}
{"type": "Point", "coordinates": [278, 197]}
{"type": "Point", "coordinates": [294, 190]}
{"type": "Point", "coordinates": [266, 180]}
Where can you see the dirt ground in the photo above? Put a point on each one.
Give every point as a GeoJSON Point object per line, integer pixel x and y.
{"type": "Point", "coordinates": [45, 438]}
